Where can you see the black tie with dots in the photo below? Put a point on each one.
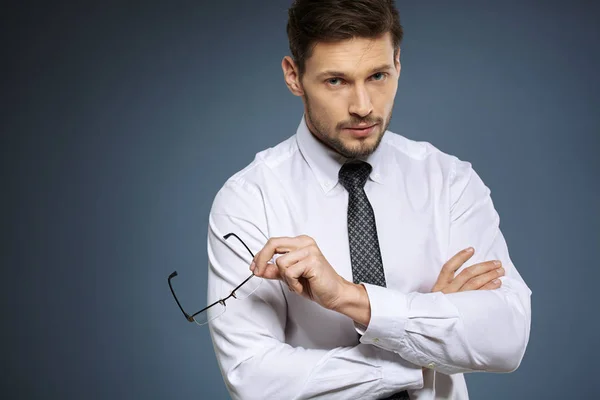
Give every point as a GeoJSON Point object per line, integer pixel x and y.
{"type": "Point", "coordinates": [365, 254]}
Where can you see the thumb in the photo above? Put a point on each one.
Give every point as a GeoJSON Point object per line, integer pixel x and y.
{"type": "Point", "coordinates": [270, 272]}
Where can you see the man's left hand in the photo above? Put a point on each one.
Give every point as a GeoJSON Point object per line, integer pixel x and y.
{"type": "Point", "coordinates": [303, 268]}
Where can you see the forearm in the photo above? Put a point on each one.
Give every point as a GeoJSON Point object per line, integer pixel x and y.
{"type": "Point", "coordinates": [459, 332]}
{"type": "Point", "coordinates": [280, 371]}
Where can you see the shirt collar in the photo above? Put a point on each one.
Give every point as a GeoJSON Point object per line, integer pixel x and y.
{"type": "Point", "coordinates": [326, 162]}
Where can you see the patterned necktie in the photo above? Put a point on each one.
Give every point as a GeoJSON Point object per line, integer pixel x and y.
{"type": "Point", "coordinates": [365, 254]}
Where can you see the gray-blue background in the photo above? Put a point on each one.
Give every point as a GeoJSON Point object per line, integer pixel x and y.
{"type": "Point", "coordinates": [120, 123]}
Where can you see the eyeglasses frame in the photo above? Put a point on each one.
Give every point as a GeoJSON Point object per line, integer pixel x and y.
{"type": "Point", "coordinates": [222, 301]}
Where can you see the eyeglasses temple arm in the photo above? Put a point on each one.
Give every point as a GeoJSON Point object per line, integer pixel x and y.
{"type": "Point", "coordinates": [249, 251]}
{"type": "Point", "coordinates": [187, 316]}
{"type": "Point", "coordinates": [241, 241]}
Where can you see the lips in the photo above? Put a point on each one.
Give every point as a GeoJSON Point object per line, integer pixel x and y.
{"type": "Point", "coordinates": [360, 126]}
{"type": "Point", "coordinates": [362, 130]}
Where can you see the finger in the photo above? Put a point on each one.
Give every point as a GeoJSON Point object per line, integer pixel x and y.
{"type": "Point", "coordinates": [275, 245]}
{"type": "Point", "coordinates": [291, 276]}
{"type": "Point", "coordinates": [294, 274]}
{"type": "Point", "coordinates": [479, 281]}
{"type": "Point", "coordinates": [291, 258]}
{"type": "Point", "coordinates": [469, 273]}
{"type": "Point", "coordinates": [453, 264]}
{"type": "Point", "coordinates": [278, 245]}
{"type": "Point", "coordinates": [270, 272]}
{"type": "Point", "coordinates": [495, 284]}
{"type": "Point", "coordinates": [288, 265]}
{"type": "Point", "coordinates": [275, 270]}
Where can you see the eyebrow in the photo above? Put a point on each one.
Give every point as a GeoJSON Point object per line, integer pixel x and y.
{"type": "Point", "coordinates": [382, 67]}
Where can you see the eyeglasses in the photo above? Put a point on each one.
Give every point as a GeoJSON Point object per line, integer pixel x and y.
{"type": "Point", "coordinates": [216, 309]}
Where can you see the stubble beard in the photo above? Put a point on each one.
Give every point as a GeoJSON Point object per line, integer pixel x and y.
{"type": "Point", "coordinates": [338, 145]}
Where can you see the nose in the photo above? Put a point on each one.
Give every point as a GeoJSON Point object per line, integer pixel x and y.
{"type": "Point", "coordinates": [360, 104]}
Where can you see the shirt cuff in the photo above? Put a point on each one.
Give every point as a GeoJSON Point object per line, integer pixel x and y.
{"type": "Point", "coordinates": [389, 314]}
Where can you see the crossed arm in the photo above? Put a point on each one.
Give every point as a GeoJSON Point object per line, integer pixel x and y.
{"type": "Point", "coordinates": [452, 332]}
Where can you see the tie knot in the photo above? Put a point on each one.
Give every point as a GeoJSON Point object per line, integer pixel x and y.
{"type": "Point", "coordinates": [353, 175]}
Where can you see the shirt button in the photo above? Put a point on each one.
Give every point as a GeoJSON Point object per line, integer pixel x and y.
{"type": "Point", "coordinates": [431, 365]}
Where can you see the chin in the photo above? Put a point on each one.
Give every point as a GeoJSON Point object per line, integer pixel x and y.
{"type": "Point", "coordinates": [358, 150]}
{"type": "Point", "coordinates": [359, 143]}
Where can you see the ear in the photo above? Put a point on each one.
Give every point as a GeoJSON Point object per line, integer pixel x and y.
{"type": "Point", "coordinates": [291, 76]}
{"type": "Point", "coordinates": [397, 63]}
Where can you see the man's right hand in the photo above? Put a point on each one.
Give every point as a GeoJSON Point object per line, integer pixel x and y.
{"type": "Point", "coordinates": [482, 276]}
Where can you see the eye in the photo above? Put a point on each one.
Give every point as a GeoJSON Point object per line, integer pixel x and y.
{"type": "Point", "coordinates": [334, 81]}
{"type": "Point", "coordinates": [379, 76]}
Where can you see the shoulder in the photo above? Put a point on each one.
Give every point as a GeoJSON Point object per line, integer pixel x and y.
{"type": "Point", "coordinates": [258, 171]}
{"type": "Point", "coordinates": [246, 186]}
{"type": "Point", "coordinates": [454, 175]}
{"type": "Point", "coordinates": [421, 151]}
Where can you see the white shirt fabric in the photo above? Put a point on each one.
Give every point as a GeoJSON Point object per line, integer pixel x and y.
{"type": "Point", "coordinates": [428, 206]}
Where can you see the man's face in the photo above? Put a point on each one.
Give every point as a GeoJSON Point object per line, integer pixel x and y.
{"type": "Point", "coordinates": [351, 84]}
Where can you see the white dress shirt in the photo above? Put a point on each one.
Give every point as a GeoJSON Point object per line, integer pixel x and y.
{"type": "Point", "coordinates": [428, 206]}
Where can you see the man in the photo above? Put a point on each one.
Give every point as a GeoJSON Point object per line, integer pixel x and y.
{"type": "Point", "coordinates": [359, 239]}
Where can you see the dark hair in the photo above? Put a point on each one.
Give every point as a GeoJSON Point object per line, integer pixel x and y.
{"type": "Point", "coordinates": [313, 21]}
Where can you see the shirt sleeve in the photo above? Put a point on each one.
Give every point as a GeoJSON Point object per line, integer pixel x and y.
{"type": "Point", "coordinates": [479, 330]}
{"type": "Point", "coordinates": [249, 338]}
